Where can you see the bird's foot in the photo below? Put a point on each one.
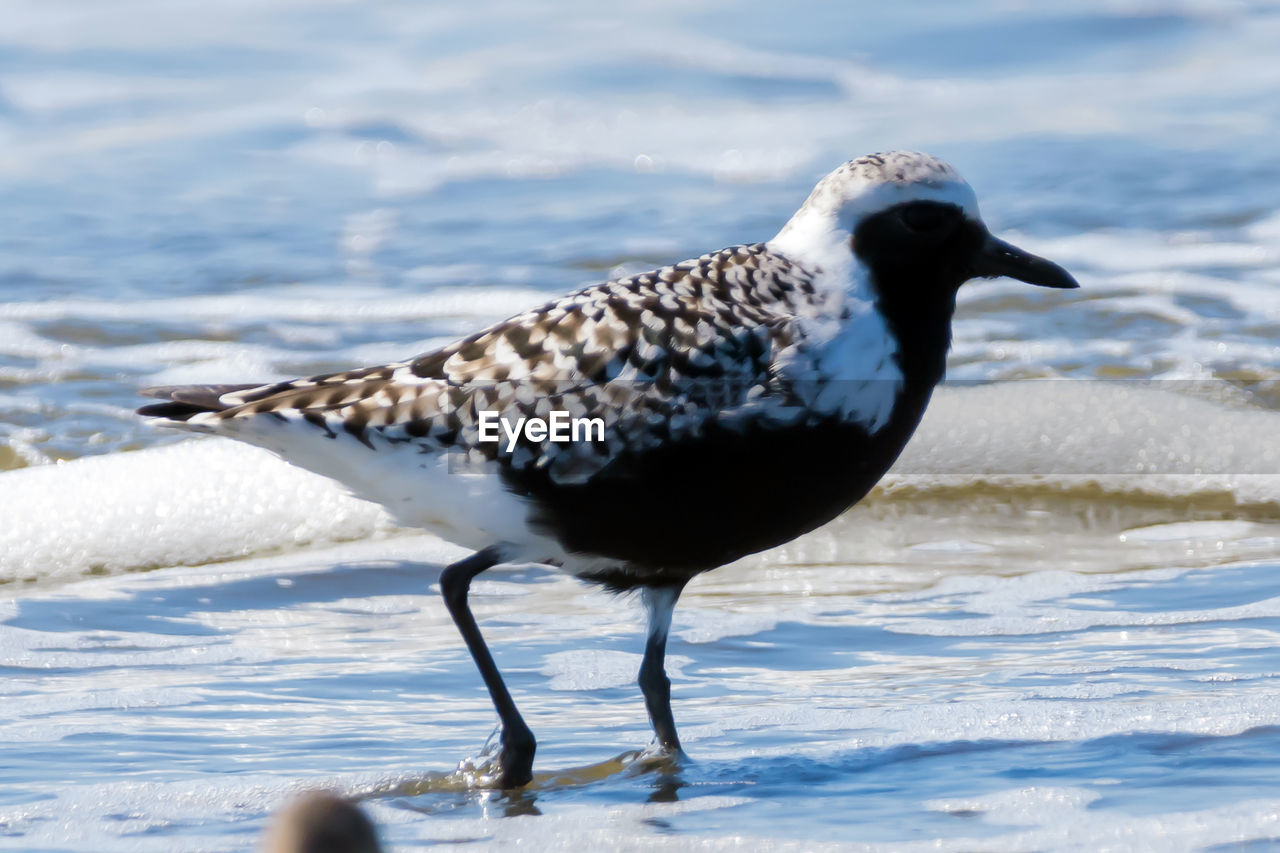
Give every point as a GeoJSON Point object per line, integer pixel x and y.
{"type": "Point", "coordinates": [505, 761]}
{"type": "Point", "coordinates": [660, 757]}
{"type": "Point", "coordinates": [515, 762]}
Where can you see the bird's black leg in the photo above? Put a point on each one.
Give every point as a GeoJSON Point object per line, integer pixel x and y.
{"type": "Point", "coordinates": [516, 762]}
{"type": "Point", "coordinates": [659, 601]}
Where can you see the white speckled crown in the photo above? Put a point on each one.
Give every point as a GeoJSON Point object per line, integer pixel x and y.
{"type": "Point", "coordinates": [865, 186]}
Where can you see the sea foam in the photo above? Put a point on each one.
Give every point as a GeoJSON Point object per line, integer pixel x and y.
{"type": "Point", "coordinates": [192, 502]}
{"type": "Point", "coordinates": [209, 499]}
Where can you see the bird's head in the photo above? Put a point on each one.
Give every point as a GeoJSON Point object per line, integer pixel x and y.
{"type": "Point", "coordinates": [912, 223]}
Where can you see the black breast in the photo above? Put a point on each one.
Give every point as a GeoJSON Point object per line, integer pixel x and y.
{"type": "Point", "coordinates": [684, 507]}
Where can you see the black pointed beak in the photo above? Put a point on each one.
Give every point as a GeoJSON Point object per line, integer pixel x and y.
{"type": "Point", "coordinates": [997, 258]}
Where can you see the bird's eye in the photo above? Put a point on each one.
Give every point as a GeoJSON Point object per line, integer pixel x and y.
{"type": "Point", "coordinates": [927, 216]}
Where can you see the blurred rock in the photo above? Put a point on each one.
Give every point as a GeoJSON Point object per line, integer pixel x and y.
{"type": "Point", "coordinates": [321, 822]}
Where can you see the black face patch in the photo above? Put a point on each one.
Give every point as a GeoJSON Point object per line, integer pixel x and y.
{"type": "Point", "coordinates": [920, 250]}
{"type": "Point", "coordinates": [919, 253]}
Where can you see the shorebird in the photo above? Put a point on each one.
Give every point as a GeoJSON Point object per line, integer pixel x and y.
{"type": "Point", "coordinates": [739, 400]}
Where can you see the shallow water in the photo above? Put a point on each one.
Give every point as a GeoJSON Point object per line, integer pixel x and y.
{"type": "Point", "coordinates": [841, 706]}
{"type": "Point", "coordinates": [1051, 628]}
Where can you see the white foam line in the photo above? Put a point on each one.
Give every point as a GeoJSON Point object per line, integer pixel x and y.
{"type": "Point", "coordinates": [206, 500]}
{"type": "Point", "coordinates": [186, 503]}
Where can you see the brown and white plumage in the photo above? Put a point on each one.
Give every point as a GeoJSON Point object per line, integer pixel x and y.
{"type": "Point", "coordinates": [656, 356]}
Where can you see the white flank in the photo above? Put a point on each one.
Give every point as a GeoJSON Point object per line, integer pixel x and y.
{"type": "Point", "coordinates": [459, 497]}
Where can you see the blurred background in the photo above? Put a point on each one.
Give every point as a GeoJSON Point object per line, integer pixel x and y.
{"type": "Point", "coordinates": [248, 190]}
{"type": "Point", "coordinates": [1053, 627]}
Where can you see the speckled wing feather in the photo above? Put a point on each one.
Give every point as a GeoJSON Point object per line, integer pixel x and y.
{"type": "Point", "coordinates": [655, 356]}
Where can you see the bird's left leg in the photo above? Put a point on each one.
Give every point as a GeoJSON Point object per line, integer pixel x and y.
{"type": "Point", "coordinates": [518, 744]}
{"type": "Point", "coordinates": [660, 601]}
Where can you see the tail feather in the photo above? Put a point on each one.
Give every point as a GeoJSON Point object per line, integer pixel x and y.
{"type": "Point", "coordinates": [185, 401]}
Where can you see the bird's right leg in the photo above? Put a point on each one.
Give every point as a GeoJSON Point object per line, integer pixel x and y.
{"type": "Point", "coordinates": [515, 764]}
{"type": "Point", "coordinates": [660, 601]}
